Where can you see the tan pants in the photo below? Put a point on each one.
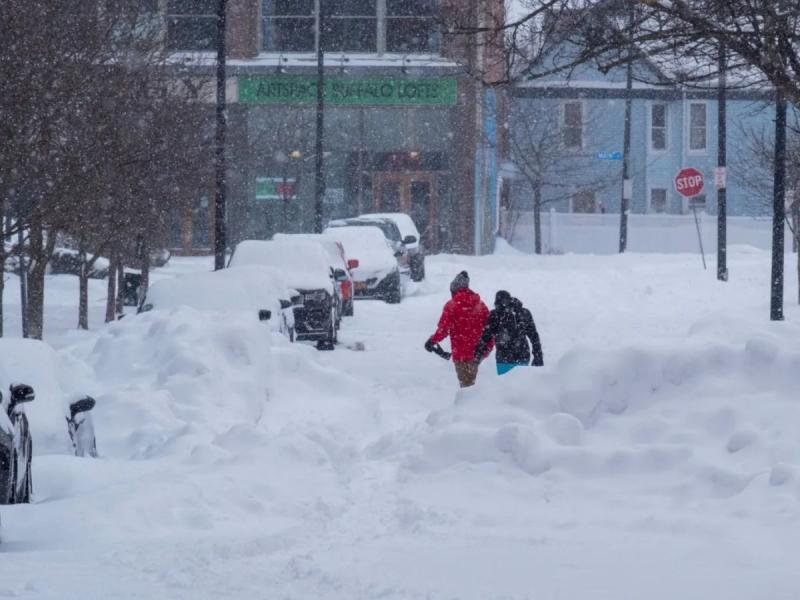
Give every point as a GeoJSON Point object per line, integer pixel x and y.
{"type": "Point", "coordinates": [466, 372]}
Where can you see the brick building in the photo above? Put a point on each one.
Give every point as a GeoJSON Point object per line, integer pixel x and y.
{"type": "Point", "coordinates": [406, 127]}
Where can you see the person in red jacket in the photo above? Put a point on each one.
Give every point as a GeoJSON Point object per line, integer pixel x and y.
{"type": "Point", "coordinates": [463, 319]}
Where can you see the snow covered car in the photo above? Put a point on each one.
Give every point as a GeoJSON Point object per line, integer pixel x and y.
{"type": "Point", "coordinates": [390, 231]}
{"type": "Point", "coordinates": [306, 268]}
{"type": "Point", "coordinates": [411, 240]}
{"type": "Point", "coordinates": [248, 289]}
{"type": "Point", "coordinates": [377, 274]}
{"type": "Point", "coordinates": [341, 266]}
{"type": "Point", "coordinates": [16, 446]}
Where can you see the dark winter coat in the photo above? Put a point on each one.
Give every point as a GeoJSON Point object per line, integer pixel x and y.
{"type": "Point", "coordinates": [463, 319]}
{"type": "Point", "coordinates": [510, 326]}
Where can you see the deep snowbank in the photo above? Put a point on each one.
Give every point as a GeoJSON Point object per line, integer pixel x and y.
{"type": "Point", "coordinates": [706, 419]}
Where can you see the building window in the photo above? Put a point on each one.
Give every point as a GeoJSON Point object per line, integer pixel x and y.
{"type": "Point", "coordinates": [289, 25]}
{"type": "Point", "coordinates": [349, 25]}
{"type": "Point", "coordinates": [411, 26]}
{"type": "Point", "coordinates": [658, 200]}
{"type": "Point", "coordinates": [192, 24]}
{"type": "Point", "coordinates": [658, 127]}
{"type": "Point", "coordinates": [583, 201]}
{"type": "Point", "coordinates": [697, 126]}
{"type": "Point", "coordinates": [573, 126]}
{"type": "Point", "coordinates": [401, 26]}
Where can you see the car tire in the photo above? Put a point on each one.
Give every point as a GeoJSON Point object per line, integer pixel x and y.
{"type": "Point", "coordinates": [27, 490]}
{"type": "Point", "coordinates": [348, 308]}
{"type": "Point", "coordinates": [418, 269]}
{"type": "Point", "coordinates": [12, 499]}
{"type": "Point", "coordinates": [329, 343]}
{"type": "Point", "coordinates": [395, 293]}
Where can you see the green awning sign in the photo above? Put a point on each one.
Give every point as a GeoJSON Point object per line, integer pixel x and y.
{"type": "Point", "coordinates": [290, 89]}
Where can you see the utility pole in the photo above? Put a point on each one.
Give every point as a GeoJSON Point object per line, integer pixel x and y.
{"type": "Point", "coordinates": [627, 184]}
{"type": "Point", "coordinates": [722, 204]}
{"type": "Point", "coordinates": [778, 209]}
{"type": "Point", "coordinates": [220, 230]}
{"type": "Point", "coordinates": [319, 173]}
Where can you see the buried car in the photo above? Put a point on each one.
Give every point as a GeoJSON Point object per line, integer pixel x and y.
{"type": "Point", "coordinates": [247, 289]}
{"type": "Point", "coordinates": [16, 446]}
{"type": "Point", "coordinates": [341, 265]}
{"type": "Point", "coordinates": [412, 242]}
{"type": "Point", "coordinates": [390, 231]}
{"type": "Point", "coordinates": [306, 267]}
{"type": "Point", "coordinates": [377, 274]}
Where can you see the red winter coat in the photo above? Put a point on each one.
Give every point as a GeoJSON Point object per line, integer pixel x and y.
{"type": "Point", "coordinates": [463, 319]}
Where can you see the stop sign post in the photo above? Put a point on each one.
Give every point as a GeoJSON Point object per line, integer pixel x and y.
{"type": "Point", "coordinates": [689, 183]}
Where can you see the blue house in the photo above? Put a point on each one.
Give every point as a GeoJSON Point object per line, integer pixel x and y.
{"type": "Point", "coordinates": [566, 138]}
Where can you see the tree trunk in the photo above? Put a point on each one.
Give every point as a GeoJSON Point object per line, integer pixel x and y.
{"type": "Point", "coordinates": [145, 281]}
{"type": "Point", "coordinates": [111, 297]}
{"type": "Point", "coordinates": [41, 248]}
{"type": "Point", "coordinates": [537, 219]}
{"type": "Point", "coordinates": [120, 304]}
{"type": "Point", "coordinates": [83, 290]}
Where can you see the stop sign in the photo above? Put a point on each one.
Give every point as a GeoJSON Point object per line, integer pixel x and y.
{"type": "Point", "coordinates": [689, 182]}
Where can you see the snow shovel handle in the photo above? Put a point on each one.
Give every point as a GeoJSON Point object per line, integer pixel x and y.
{"type": "Point", "coordinates": [441, 352]}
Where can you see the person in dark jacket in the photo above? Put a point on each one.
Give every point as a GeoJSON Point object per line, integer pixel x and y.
{"type": "Point", "coordinates": [463, 319]}
{"type": "Point", "coordinates": [510, 326]}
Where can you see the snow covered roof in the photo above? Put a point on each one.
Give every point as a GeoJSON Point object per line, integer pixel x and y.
{"type": "Point", "coordinates": [309, 59]}
{"type": "Point", "coordinates": [369, 246]}
{"type": "Point", "coordinates": [306, 266]}
{"type": "Point", "coordinates": [239, 289]}
{"type": "Point", "coordinates": [403, 221]}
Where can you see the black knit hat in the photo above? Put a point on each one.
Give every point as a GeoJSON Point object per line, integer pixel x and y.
{"type": "Point", "coordinates": [460, 282]}
{"type": "Point", "coordinates": [502, 298]}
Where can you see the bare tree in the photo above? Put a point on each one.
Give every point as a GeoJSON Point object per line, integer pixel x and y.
{"type": "Point", "coordinates": [549, 167]}
{"type": "Point", "coordinates": [91, 116]}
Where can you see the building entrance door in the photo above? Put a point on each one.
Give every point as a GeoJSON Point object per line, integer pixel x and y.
{"type": "Point", "coordinates": [413, 193]}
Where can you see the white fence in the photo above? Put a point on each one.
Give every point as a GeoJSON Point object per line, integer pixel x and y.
{"type": "Point", "coordinates": [599, 233]}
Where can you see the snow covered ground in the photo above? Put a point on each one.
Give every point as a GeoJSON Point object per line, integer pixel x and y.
{"type": "Point", "coordinates": [655, 456]}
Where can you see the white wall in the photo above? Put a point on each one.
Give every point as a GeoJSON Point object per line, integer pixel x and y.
{"type": "Point", "coordinates": [599, 233]}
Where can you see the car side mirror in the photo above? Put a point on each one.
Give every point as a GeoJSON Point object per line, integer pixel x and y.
{"type": "Point", "coordinates": [285, 303]}
{"type": "Point", "coordinates": [340, 275]}
{"type": "Point", "coordinates": [20, 393]}
{"type": "Point", "coordinates": [264, 315]}
{"type": "Point", "coordinates": [83, 405]}
{"type": "Point", "coordinates": [410, 239]}
{"type": "Point", "coordinates": [352, 263]}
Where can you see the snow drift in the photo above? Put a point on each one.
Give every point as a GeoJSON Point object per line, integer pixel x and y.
{"type": "Point", "coordinates": [707, 419]}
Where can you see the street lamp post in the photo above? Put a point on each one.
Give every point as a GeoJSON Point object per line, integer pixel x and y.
{"type": "Point", "coordinates": [220, 230]}
{"type": "Point", "coordinates": [319, 172]}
